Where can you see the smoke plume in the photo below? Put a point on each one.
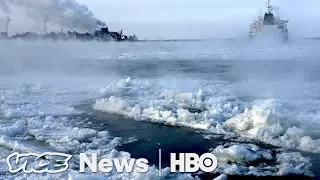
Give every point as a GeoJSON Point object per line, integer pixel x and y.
{"type": "Point", "coordinates": [4, 22]}
{"type": "Point", "coordinates": [65, 13]}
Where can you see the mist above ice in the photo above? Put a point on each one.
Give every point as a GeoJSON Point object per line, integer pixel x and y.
{"type": "Point", "coordinates": [55, 54]}
{"type": "Point", "coordinates": [278, 67]}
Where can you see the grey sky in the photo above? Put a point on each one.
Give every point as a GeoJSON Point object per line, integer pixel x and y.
{"type": "Point", "coordinates": [154, 19]}
{"type": "Point", "coordinates": [201, 18]}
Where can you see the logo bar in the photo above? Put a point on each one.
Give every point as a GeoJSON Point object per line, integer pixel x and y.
{"type": "Point", "coordinates": [53, 163]}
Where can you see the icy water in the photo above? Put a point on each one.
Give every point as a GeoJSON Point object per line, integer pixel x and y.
{"type": "Point", "coordinates": [254, 105]}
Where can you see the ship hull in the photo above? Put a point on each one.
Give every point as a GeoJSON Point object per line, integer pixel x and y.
{"type": "Point", "coordinates": [270, 32]}
{"type": "Point", "coordinates": [265, 38]}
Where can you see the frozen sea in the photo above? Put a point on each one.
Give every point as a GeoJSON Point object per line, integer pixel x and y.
{"type": "Point", "coordinates": [255, 105]}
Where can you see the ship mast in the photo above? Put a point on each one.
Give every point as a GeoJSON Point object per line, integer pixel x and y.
{"type": "Point", "coordinates": [269, 6]}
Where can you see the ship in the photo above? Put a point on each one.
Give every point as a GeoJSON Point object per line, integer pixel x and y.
{"type": "Point", "coordinates": [100, 34]}
{"type": "Point", "coordinates": [270, 25]}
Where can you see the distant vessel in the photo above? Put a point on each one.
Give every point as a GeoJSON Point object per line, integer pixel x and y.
{"type": "Point", "coordinates": [269, 25]}
{"type": "Point", "coordinates": [100, 34]}
{"type": "Point", "coordinates": [103, 34]}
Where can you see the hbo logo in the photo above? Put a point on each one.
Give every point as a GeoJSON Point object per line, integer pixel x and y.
{"type": "Point", "coordinates": [191, 162]}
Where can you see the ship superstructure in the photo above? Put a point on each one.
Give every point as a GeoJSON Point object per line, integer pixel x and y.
{"type": "Point", "coordinates": [269, 24]}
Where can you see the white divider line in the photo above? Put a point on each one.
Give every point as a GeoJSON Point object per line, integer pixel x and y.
{"type": "Point", "coordinates": [160, 173]}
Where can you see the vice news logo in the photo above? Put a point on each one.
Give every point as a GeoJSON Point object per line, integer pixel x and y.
{"type": "Point", "coordinates": [38, 163]}
{"type": "Point", "coordinates": [54, 163]}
